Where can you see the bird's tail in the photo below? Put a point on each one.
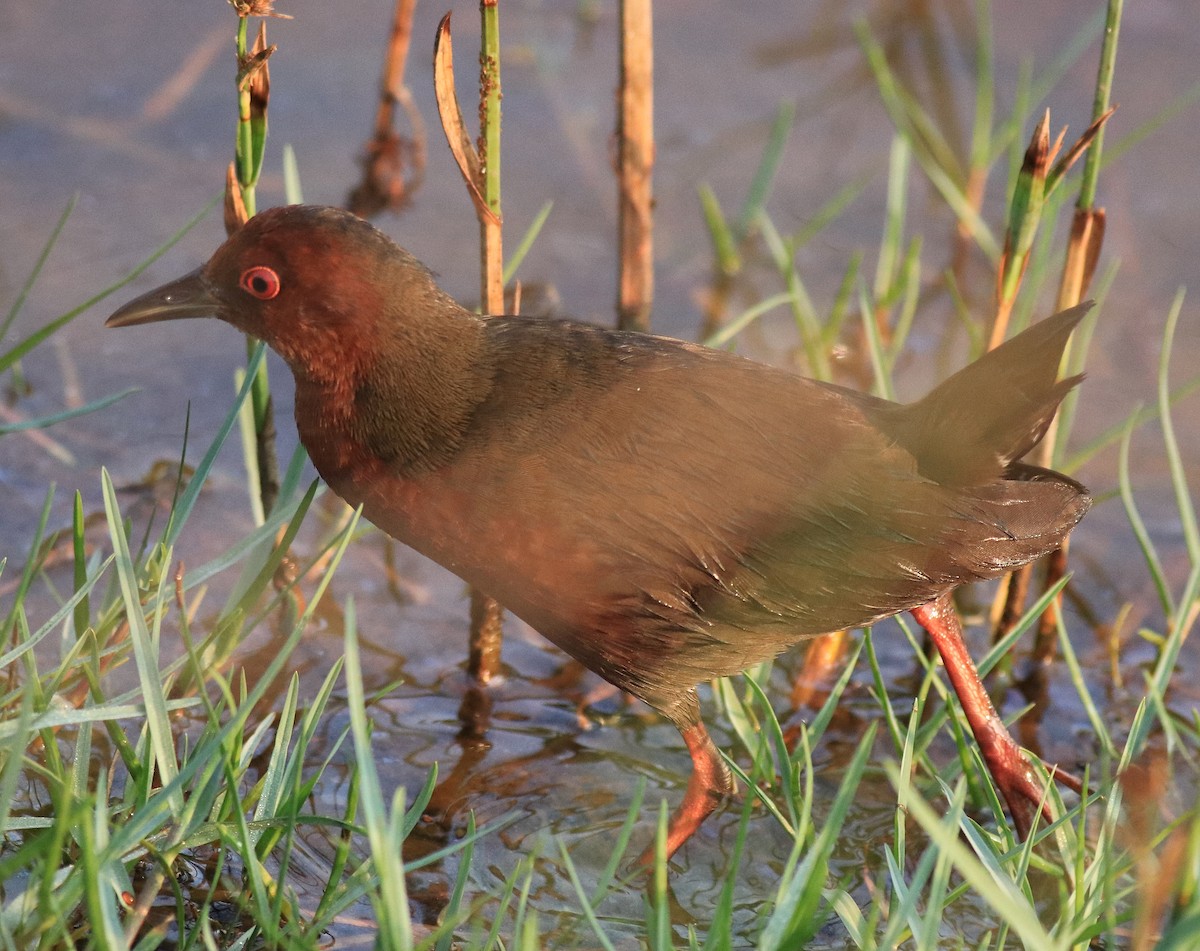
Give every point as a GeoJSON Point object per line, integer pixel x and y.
{"type": "Point", "coordinates": [972, 427]}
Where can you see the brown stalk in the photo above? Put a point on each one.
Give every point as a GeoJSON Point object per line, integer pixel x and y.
{"type": "Point", "coordinates": [385, 184]}
{"type": "Point", "coordinates": [1160, 859]}
{"type": "Point", "coordinates": [1083, 250]}
{"type": "Point", "coordinates": [635, 165]}
{"type": "Point", "coordinates": [491, 232]}
{"type": "Point", "coordinates": [236, 214]}
{"type": "Point", "coordinates": [1079, 267]}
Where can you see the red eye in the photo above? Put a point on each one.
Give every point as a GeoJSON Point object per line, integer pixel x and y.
{"type": "Point", "coordinates": [260, 282]}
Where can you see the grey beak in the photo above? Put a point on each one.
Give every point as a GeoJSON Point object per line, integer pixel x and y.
{"type": "Point", "coordinates": [189, 296]}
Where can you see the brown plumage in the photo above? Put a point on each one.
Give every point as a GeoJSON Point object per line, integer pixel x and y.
{"type": "Point", "coordinates": [663, 512]}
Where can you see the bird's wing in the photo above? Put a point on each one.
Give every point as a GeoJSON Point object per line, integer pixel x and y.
{"type": "Point", "coordinates": [717, 484]}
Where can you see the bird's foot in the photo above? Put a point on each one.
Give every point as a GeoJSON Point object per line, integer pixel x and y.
{"type": "Point", "coordinates": [708, 786]}
{"type": "Point", "coordinates": [1021, 787]}
{"type": "Point", "coordinates": [1013, 774]}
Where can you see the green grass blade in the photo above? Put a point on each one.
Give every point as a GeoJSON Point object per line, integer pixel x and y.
{"type": "Point", "coordinates": [49, 329]}
{"type": "Point", "coordinates": [1183, 496]}
{"type": "Point", "coordinates": [187, 500]}
{"type": "Point", "coordinates": [391, 902]}
{"type": "Point", "coordinates": [768, 168]}
{"type": "Point", "coordinates": [527, 240]}
{"type": "Point", "coordinates": [145, 648]}
{"type": "Point", "coordinates": [43, 422]}
{"type": "Point", "coordinates": [720, 233]}
{"type": "Point", "coordinates": [293, 194]}
{"type": "Point", "coordinates": [989, 883]}
{"type": "Point", "coordinates": [38, 265]}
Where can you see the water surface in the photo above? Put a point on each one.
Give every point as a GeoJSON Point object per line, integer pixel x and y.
{"type": "Point", "coordinates": [133, 114]}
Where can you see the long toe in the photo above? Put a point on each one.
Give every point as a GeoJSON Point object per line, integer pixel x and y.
{"type": "Point", "coordinates": [708, 786]}
{"type": "Point", "coordinates": [1014, 776]}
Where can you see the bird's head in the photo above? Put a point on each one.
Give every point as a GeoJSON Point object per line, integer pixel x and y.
{"type": "Point", "coordinates": [317, 284]}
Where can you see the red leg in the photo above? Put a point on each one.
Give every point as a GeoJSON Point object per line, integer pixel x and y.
{"type": "Point", "coordinates": [1010, 769]}
{"type": "Point", "coordinates": [708, 785]}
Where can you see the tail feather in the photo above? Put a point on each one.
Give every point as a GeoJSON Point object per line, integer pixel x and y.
{"type": "Point", "coordinates": [972, 427]}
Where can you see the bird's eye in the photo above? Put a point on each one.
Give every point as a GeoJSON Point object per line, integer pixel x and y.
{"type": "Point", "coordinates": [260, 282]}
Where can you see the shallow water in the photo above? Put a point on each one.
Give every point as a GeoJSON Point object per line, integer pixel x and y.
{"type": "Point", "coordinates": [136, 117]}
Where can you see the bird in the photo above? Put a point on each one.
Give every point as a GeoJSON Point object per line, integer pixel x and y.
{"type": "Point", "coordinates": [663, 512]}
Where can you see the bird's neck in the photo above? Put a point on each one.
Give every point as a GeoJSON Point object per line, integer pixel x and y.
{"type": "Point", "coordinates": [406, 404]}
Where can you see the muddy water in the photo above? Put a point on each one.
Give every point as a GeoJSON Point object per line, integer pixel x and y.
{"type": "Point", "coordinates": [133, 114]}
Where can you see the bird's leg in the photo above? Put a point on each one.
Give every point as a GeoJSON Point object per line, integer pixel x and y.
{"type": "Point", "coordinates": [708, 785]}
{"type": "Point", "coordinates": [1010, 769]}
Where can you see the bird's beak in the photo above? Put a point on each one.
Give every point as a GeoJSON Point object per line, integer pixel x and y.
{"type": "Point", "coordinates": [189, 296]}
